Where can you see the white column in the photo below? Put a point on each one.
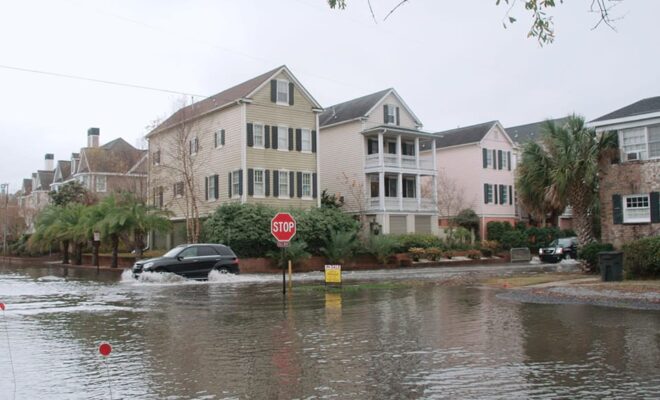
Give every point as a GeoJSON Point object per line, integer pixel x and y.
{"type": "Point", "coordinates": [380, 150]}
{"type": "Point", "coordinates": [399, 189]}
{"type": "Point", "coordinates": [435, 175]}
{"type": "Point", "coordinates": [381, 190]}
{"type": "Point", "coordinates": [434, 156]}
{"type": "Point", "coordinates": [398, 150]}
{"type": "Point", "coordinates": [418, 191]}
{"type": "Point", "coordinates": [417, 152]}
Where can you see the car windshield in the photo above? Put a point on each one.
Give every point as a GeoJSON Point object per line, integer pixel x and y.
{"type": "Point", "coordinates": [565, 242]}
{"type": "Point", "coordinates": [172, 253]}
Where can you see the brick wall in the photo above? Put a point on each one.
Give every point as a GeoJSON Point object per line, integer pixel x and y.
{"type": "Point", "coordinates": [633, 177]}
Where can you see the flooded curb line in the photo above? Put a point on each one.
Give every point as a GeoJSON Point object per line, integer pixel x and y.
{"type": "Point", "coordinates": [536, 296]}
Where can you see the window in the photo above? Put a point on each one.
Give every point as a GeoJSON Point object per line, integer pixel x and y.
{"type": "Point", "coordinates": [489, 159]}
{"type": "Point", "coordinates": [306, 139]}
{"type": "Point", "coordinates": [212, 189]}
{"type": "Point", "coordinates": [654, 141]}
{"type": "Point", "coordinates": [159, 197]}
{"type": "Point", "coordinates": [282, 92]}
{"type": "Point", "coordinates": [391, 147]}
{"type": "Point", "coordinates": [258, 132]}
{"type": "Point", "coordinates": [390, 186]}
{"type": "Point", "coordinates": [372, 146]}
{"type": "Point", "coordinates": [194, 146]}
{"type": "Point", "coordinates": [283, 138]}
{"type": "Point", "coordinates": [189, 252]}
{"type": "Point", "coordinates": [488, 193]}
{"type": "Point", "coordinates": [203, 251]}
{"type": "Point", "coordinates": [634, 144]}
{"type": "Point", "coordinates": [283, 183]}
{"type": "Point", "coordinates": [178, 189]}
{"type": "Point", "coordinates": [390, 117]}
{"type": "Point", "coordinates": [306, 184]}
{"type": "Point", "coordinates": [156, 157]}
{"type": "Point", "coordinates": [504, 160]}
{"type": "Point", "coordinates": [101, 184]}
{"type": "Point", "coordinates": [235, 183]}
{"type": "Point", "coordinates": [219, 138]}
{"type": "Point", "coordinates": [504, 193]}
{"type": "Point", "coordinates": [374, 186]}
{"type": "Point", "coordinates": [408, 148]}
{"type": "Point", "coordinates": [409, 187]}
{"type": "Point", "coordinates": [258, 182]}
{"type": "Point", "coordinates": [636, 209]}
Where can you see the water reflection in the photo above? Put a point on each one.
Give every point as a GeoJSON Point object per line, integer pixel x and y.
{"type": "Point", "coordinates": [240, 339]}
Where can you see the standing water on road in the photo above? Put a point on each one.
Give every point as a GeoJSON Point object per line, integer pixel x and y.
{"type": "Point", "coordinates": [377, 338]}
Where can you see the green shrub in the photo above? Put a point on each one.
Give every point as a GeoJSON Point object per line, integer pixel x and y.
{"type": "Point", "coordinates": [460, 235]}
{"type": "Point", "coordinates": [295, 252]}
{"type": "Point", "coordinates": [567, 233]}
{"type": "Point", "coordinates": [449, 254]}
{"type": "Point", "coordinates": [511, 239]}
{"type": "Point", "coordinates": [417, 240]}
{"type": "Point", "coordinates": [316, 224]}
{"type": "Point", "coordinates": [382, 247]}
{"type": "Point", "coordinates": [642, 258]}
{"type": "Point", "coordinates": [416, 253]}
{"type": "Point", "coordinates": [495, 230]}
{"type": "Point", "coordinates": [589, 254]}
{"type": "Point", "coordinates": [473, 254]}
{"type": "Point", "coordinates": [486, 252]}
{"type": "Point", "coordinates": [339, 246]}
{"type": "Point", "coordinates": [433, 253]}
{"type": "Point", "coordinates": [243, 227]}
{"type": "Point", "coordinates": [467, 219]}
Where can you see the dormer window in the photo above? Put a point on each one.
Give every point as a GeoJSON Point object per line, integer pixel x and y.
{"type": "Point", "coordinates": [391, 114]}
{"type": "Point", "coordinates": [282, 92]}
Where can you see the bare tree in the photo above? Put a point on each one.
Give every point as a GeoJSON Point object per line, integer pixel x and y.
{"type": "Point", "coordinates": [450, 196]}
{"type": "Point", "coordinates": [357, 197]}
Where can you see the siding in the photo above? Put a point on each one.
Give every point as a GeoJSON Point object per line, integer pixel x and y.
{"type": "Point", "coordinates": [376, 117]}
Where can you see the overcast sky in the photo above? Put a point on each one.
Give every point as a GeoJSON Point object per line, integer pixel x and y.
{"type": "Point", "coordinates": [451, 61]}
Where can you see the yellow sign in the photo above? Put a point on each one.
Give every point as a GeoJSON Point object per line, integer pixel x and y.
{"type": "Point", "coordinates": [333, 274]}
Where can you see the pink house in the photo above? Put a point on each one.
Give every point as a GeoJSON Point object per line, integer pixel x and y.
{"type": "Point", "coordinates": [476, 169]}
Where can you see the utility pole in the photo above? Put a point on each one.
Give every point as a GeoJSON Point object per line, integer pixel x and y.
{"type": "Point", "coordinates": [5, 190]}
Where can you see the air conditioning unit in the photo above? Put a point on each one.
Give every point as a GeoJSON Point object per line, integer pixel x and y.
{"type": "Point", "coordinates": [636, 155]}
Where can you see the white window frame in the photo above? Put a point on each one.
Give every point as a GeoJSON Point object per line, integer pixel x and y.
{"type": "Point", "coordinates": [638, 131]}
{"type": "Point", "coordinates": [156, 158]}
{"type": "Point", "coordinates": [235, 184]}
{"type": "Point", "coordinates": [211, 188]}
{"type": "Point", "coordinates": [505, 194]}
{"type": "Point", "coordinates": [218, 139]}
{"type": "Point", "coordinates": [98, 187]}
{"type": "Point", "coordinates": [391, 113]}
{"type": "Point", "coordinates": [284, 83]}
{"type": "Point", "coordinates": [194, 146]}
{"type": "Point", "coordinates": [259, 125]}
{"type": "Point", "coordinates": [490, 193]}
{"type": "Point", "coordinates": [177, 195]}
{"type": "Point", "coordinates": [489, 158]}
{"type": "Point", "coordinates": [404, 188]}
{"type": "Point", "coordinates": [628, 219]}
{"type": "Point", "coordinates": [306, 145]}
{"type": "Point", "coordinates": [280, 137]}
{"type": "Point", "coordinates": [648, 141]}
{"type": "Point", "coordinates": [259, 191]}
{"type": "Point", "coordinates": [286, 183]}
{"type": "Point", "coordinates": [504, 160]}
{"type": "Point", "coordinates": [307, 196]}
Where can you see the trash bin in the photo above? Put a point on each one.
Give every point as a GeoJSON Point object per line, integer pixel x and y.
{"type": "Point", "coordinates": [611, 266]}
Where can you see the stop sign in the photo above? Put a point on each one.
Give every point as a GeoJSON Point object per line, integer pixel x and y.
{"type": "Point", "coordinates": [283, 227]}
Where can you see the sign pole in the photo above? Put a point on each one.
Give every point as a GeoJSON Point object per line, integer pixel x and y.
{"type": "Point", "coordinates": [290, 276]}
{"type": "Point", "coordinates": [283, 272]}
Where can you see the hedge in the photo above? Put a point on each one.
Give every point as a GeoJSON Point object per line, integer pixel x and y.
{"type": "Point", "coordinates": [642, 258]}
{"type": "Point", "coordinates": [589, 254]}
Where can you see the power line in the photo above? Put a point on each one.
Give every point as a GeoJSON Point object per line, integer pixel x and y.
{"type": "Point", "coordinates": [104, 81]}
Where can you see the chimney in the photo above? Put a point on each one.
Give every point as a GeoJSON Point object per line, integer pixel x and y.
{"type": "Point", "coordinates": [49, 160]}
{"type": "Point", "coordinates": [93, 137]}
{"type": "Point", "coordinates": [34, 180]}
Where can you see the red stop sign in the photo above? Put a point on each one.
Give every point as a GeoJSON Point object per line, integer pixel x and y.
{"type": "Point", "coordinates": [283, 227]}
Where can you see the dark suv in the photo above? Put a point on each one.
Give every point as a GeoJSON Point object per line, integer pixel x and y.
{"type": "Point", "coordinates": [559, 249]}
{"type": "Point", "coordinates": [191, 261]}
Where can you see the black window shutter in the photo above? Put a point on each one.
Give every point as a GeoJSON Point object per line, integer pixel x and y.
{"type": "Point", "coordinates": [215, 139]}
{"type": "Point", "coordinates": [276, 183]}
{"type": "Point", "coordinates": [508, 159]}
{"type": "Point", "coordinates": [654, 198]}
{"type": "Point", "coordinates": [290, 93]}
{"type": "Point", "coordinates": [290, 139]}
{"type": "Point", "coordinates": [617, 209]}
{"type": "Point", "coordinates": [313, 141]}
{"type": "Point", "coordinates": [273, 90]}
{"type": "Point", "coordinates": [485, 193]}
{"type": "Point", "coordinates": [216, 190]}
{"type": "Point", "coordinates": [494, 159]}
{"type": "Point", "coordinates": [274, 141]}
{"type": "Point", "coordinates": [502, 193]}
{"type": "Point", "coordinates": [315, 192]}
{"type": "Point", "coordinates": [229, 185]}
{"type": "Point", "coordinates": [222, 137]}
{"type": "Point", "coordinates": [206, 187]}
{"type": "Point", "coordinates": [250, 135]}
{"type": "Point", "coordinates": [397, 116]}
{"type": "Point", "coordinates": [499, 159]}
{"type": "Point", "coordinates": [510, 195]}
{"type": "Point", "coordinates": [384, 113]}
{"type": "Point", "coordinates": [298, 139]}
{"type": "Point", "coordinates": [267, 182]}
{"type": "Point", "coordinates": [299, 179]}
{"type": "Point", "coordinates": [240, 182]}
{"type": "Point", "coordinates": [291, 184]}
{"type": "Point", "coordinates": [250, 182]}
{"type": "Point", "coordinates": [485, 157]}
{"type": "Point", "coordinates": [495, 194]}
{"type": "Point", "coordinates": [267, 136]}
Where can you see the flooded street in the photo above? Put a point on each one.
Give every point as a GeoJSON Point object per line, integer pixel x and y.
{"type": "Point", "coordinates": [383, 336]}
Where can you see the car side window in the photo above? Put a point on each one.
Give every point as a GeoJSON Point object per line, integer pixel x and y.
{"type": "Point", "coordinates": [224, 251]}
{"type": "Point", "coordinates": [189, 252]}
{"type": "Point", "coordinates": [206, 251]}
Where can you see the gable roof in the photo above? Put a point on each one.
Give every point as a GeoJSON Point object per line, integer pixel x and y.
{"type": "Point", "coordinates": [522, 134]}
{"type": "Point", "coordinates": [226, 97]}
{"type": "Point", "coordinates": [62, 171]}
{"type": "Point", "coordinates": [645, 106]}
{"type": "Point", "coordinates": [44, 179]}
{"type": "Point", "coordinates": [352, 109]}
{"type": "Point", "coordinates": [459, 136]}
{"type": "Point", "coordinates": [117, 156]}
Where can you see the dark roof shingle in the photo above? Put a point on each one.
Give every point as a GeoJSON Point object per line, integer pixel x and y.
{"type": "Point", "coordinates": [65, 170]}
{"type": "Point", "coordinates": [522, 134]}
{"type": "Point", "coordinates": [351, 109]}
{"type": "Point", "coordinates": [645, 106]}
{"type": "Point", "coordinates": [459, 136]}
{"type": "Point", "coordinates": [117, 156]}
{"type": "Point", "coordinates": [45, 179]}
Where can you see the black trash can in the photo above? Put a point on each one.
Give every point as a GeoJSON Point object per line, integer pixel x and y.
{"type": "Point", "coordinates": [611, 265]}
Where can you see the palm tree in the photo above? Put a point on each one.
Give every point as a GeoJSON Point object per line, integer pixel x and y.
{"type": "Point", "coordinates": [339, 246]}
{"type": "Point", "coordinates": [48, 231]}
{"type": "Point", "coordinates": [563, 170]}
{"type": "Point", "coordinates": [113, 223]}
{"type": "Point", "coordinates": [143, 218]}
{"type": "Point", "coordinates": [72, 222]}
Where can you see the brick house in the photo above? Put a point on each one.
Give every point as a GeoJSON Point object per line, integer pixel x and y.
{"type": "Point", "coordinates": [630, 186]}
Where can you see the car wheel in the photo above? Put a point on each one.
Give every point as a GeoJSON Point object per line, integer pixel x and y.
{"type": "Point", "coordinates": [222, 270]}
{"type": "Point", "coordinates": [567, 256]}
{"type": "Point", "coordinates": [160, 270]}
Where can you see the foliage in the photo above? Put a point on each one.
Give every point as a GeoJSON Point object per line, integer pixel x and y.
{"type": "Point", "coordinates": [339, 246]}
{"type": "Point", "coordinates": [473, 254]}
{"type": "Point", "coordinates": [296, 252]}
{"type": "Point", "coordinates": [316, 224]}
{"type": "Point", "coordinates": [449, 254]}
{"type": "Point", "coordinates": [433, 253]}
{"type": "Point", "coordinates": [416, 253]}
{"type": "Point", "coordinates": [467, 219]}
{"type": "Point", "coordinates": [642, 258]}
{"type": "Point", "coordinates": [418, 240]}
{"type": "Point", "coordinates": [330, 200]}
{"type": "Point", "coordinates": [541, 237]}
{"type": "Point", "coordinates": [21, 247]}
{"type": "Point", "coordinates": [495, 230]}
{"type": "Point", "coordinates": [243, 227]}
{"type": "Point", "coordinates": [460, 235]}
{"type": "Point", "coordinates": [70, 192]}
{"type": "Point", "coordinates": [382, 247]}
{"type": "Point", "coordinates": [589, 254]}
{"type": "Point", "coordinates": [488, 247]}
{"type": "Point", "coordinates": [513, 238]}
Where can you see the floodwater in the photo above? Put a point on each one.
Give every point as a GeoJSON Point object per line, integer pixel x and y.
{"type": "Point", "coordinates": [236, 337]}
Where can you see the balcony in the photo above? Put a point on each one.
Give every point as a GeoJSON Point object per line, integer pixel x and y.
{"type": "Point", "coordinates": [392, 204]}
{"type": "Point", "coordinates": [391, 161]}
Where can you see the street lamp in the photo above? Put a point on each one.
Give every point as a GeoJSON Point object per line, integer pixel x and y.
{"type": "Point", "coordinates": [5, 189]}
